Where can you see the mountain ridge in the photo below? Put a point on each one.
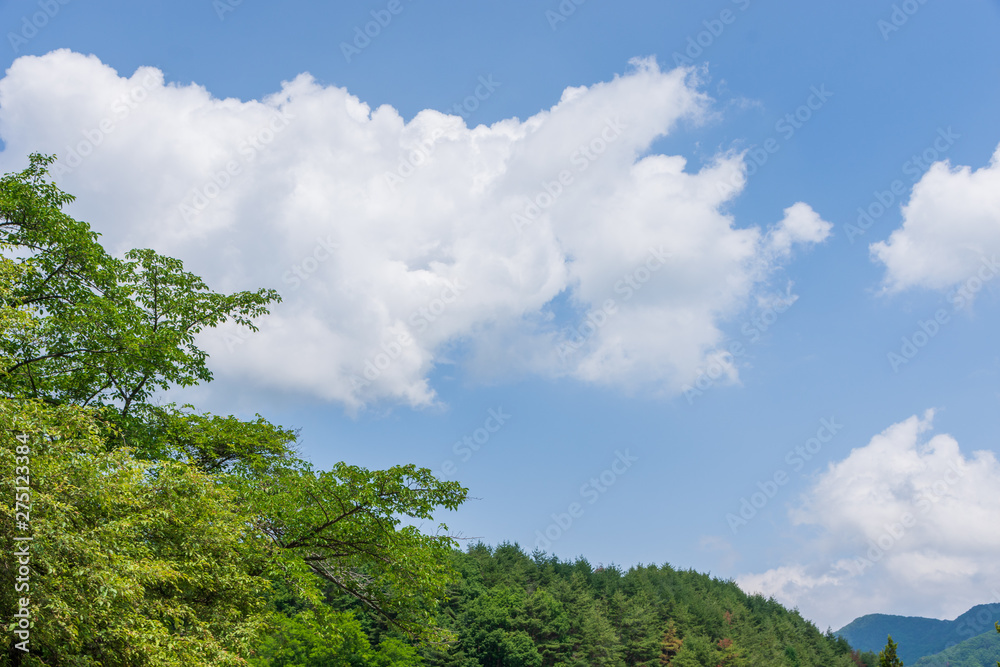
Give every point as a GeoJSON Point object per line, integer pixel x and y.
{"type": "Point", "coordinates": [979, 651]}
{"type": "Point", "coordinates": [919, 637]}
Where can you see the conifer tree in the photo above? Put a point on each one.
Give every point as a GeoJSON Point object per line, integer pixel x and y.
{"type": "Point", "coordinates": [887, 656]}
{"type": "Point", "coordinates": [670, 645]}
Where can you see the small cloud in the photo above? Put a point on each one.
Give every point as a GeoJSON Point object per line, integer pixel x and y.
{"type": "Point", "coordinates": [802, 225]}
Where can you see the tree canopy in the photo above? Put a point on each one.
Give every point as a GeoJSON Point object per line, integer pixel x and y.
{"type": "Point", "coordinates": [160, 535]}
{"type": "Point", "coordinates": [887, 656]}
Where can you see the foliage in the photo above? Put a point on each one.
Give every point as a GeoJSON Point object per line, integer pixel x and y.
{"type": "Point", "coordinates": [320, 637]}
{"type": "Point", "coordinates": [983, 649]}
{"type": "Point", "coordinates": [215, 444]}
{"type": "Point", "coordinates": [346, 526]}
{"type": "Point", "coordinates": [671, 644]}
{"type": "Point", "coordinates": [131, 562]}
{"type": "Point", "coordinates": [163, 536]}
{"type": "Point", "coordinates": [864, 659]}
{"type": "Point", "coordinates": [887, 656]}
{"type": "Point", "coordinates": [109, 331]}
{"type": "Point", "coordinates": [303, 640]}
{"type": "Point", "coordinates": [512, 609]}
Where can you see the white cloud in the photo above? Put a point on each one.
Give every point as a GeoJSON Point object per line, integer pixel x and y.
{"type": "Point", "coordinates": [907, 524]}
{"type": "Point", "coordinates": [950, 225]}
{"type": "Point", "coordinates": [393, 241]}
{"type": "Point", "coordinates": [800, 225]}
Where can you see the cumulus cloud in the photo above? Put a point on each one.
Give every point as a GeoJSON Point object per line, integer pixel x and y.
{"type": "Point", "coordinates": [393, 241]}
{"type": "Point", "coordinates": [801, 224]}
{"type": "Point", "coordinates": [950, 231]}
{"type": "Point", "coordinates": [906, 524]}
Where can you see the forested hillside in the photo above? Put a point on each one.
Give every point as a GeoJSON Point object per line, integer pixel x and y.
{"type": "Point", "coordinates": [980, 651]}
{"type": "Point", "coordinates": [512, 609]}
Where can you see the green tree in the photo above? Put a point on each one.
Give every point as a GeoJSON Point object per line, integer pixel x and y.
{"type": "Point", "coordinates": [494, 629]}
{"type": "Point", "coordinates": [598, 645]}
{"type": "Point", "coordinates": [548, 624]}
{"type": "Point", "coordinates": [160, 530]}
{"type": "Point", "coordinates": [131, 562]}
{"type": "Point", "coordinates": [113, 331]}
{"type": "Point", "coordinates": [217, 445]}
{"type": "Point", "coordinates": [887, 656]}
{"type": "Point", "coordinates": [730, 654]}
{"type": "Point", "coordinates": [392, 652]}
{"type": "Point", "coordinates": [638, 627]}
{"type": "Point", "coordinates": [346, 527]}
{"type": "Point", "coordinates": [315, 638]}
{"type": "Point", "coordinates": [695, 652]}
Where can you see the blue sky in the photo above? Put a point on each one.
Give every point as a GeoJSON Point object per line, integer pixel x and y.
{"type": "Point", "coordinates": [789, 119]}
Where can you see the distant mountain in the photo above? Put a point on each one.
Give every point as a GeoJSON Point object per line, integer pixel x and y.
{"type": "Point", "coordinates": [919, 637]}
{"type": "Point", "coordinates": [981, 651]}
